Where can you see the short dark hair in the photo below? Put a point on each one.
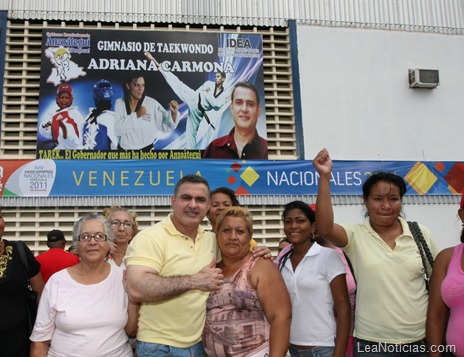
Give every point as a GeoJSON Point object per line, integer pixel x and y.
{"type": "Point", "coordinates": [246, 85]}
{"type": "Point", "coordinates": [386, 177]}
{"type": "Point", "coordinates": [134, 75]}
{"type": "Point", "coordinates": [190, 179]}
{"type": "Point", "coordinates": [303, 207]}
{"type": "Point", "coordinates": [55, 235]}
{"type": "Point", "coordinates": [226, 191]}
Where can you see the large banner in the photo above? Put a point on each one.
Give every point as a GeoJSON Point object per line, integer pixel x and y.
{"type": "Point", "coordinates": [119, 94]}
{"type": "Point", "coordinates": [28, 178]}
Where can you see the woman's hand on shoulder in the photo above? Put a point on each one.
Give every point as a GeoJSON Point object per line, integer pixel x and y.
{"type": "Point", "coordinates": [262, 251]}
{"type": "Point", "coordinates": [111, 247]}
{"type": "Point", "coordinates": [265, 272]}
{"type": "Point", "coordinates": [268, 282]}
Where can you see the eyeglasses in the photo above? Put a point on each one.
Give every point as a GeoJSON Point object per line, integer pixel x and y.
{"type": "Point", "coordinates": [99, 237]}
{"type": "Point", "coordinates": [117, 224]}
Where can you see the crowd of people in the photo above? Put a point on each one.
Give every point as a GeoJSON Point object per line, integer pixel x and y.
{"type": "Point", "coordinates": [180, 289]}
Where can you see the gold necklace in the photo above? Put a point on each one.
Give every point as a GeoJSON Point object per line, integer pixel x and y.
{"type": "Point", "coordinates": [4, 258]}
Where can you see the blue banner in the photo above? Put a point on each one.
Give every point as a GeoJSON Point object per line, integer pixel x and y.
{"type": "Point", "coordinates": [28, 178]}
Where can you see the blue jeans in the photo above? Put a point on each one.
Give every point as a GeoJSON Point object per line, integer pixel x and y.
{"type": "Point", "coordinates": [319, 351]}
{"type": "Point", "coordinates": [147, 349]}
{"type": "Point", "coordinates": [363, 348]}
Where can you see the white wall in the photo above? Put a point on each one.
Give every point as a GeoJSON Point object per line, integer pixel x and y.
{"type": "Point", "coordinates": [356, 99]}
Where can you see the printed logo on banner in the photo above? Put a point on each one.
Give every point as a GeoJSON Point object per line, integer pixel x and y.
{"type": "Point", "coordinates": [63, 68]}
{"type": "Point", "coordinates": [248, 176]}
{"type": "Point", "coordinates": [35, 178]}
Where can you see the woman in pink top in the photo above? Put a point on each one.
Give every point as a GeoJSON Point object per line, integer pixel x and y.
{"type": "Point", "coordinates": [447, 292]}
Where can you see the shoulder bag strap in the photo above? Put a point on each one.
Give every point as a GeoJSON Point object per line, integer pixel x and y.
{"type": "Point", "coordinates": [284, 259]}
{"type": "Point", "coordinates": [348, 261]}
{"type": "Point", "coordinates": [424, 250]}
{"type": "Point", "coordinates": [22, 256]}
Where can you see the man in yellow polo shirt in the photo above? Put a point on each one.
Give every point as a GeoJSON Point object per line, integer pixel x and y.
{"type": "Point", "coordinates": [171, 271]}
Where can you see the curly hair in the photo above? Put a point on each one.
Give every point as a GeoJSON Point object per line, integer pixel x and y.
{"type": "Point", "coordinates": [236, 211]}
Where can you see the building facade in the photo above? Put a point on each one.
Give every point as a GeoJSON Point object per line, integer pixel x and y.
{"type": "Point", "coordinates": [335, 75]}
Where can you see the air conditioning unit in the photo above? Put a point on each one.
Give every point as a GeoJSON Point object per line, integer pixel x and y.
{"type": "Point", "coordinates": [423, 78]}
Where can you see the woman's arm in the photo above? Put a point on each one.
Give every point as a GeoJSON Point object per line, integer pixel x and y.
{"type": "Point", "coordinates": [326, 227]}
{"type": "Point", "coordinates": [437, 310]}
{"type": "Point", "coordinates": [343, 311]}
{"type": "Point", "coordinates": [44, 326]}
{"type": "Point", "coordinates": [274, 298]}
{"type": "Point", "coordinates": [39, 349]}
{"type": "Point", "coordinates": [37, 284]}
{"type": "Point", "coordinates": [133, 312]}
